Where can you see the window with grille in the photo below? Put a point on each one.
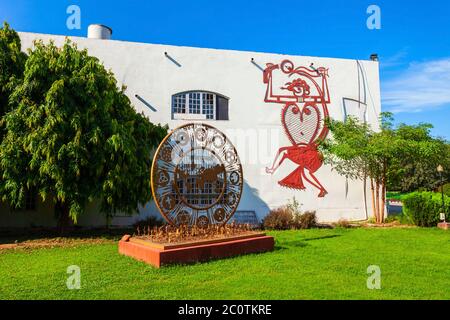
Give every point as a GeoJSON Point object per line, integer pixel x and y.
{"type": "Point", "coordinates": [179, 104]}
{"type": "Point", "coordinates": [199, 105]}
{"type": "Point", "coordinates": [195, 102]}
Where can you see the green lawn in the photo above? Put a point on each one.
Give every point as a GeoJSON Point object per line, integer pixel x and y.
{"type": "Point", "coordinates": [395, 195]}
{"type": "Point", "coordinates": [310, 264]}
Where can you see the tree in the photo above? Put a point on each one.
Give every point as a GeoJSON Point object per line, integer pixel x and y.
{"type": "Point", "coordinates": [356, 151]}
{"type": "Point", "coordinates": [75, 137]}
{"type": "Point", "coordinates": [12, 63]}
{"type": "Point", "coordinates": [419, 173]}
{"type": "Point", "coordinates": [383, 148]}
{"type": "Point", "coordinates": [347, 151]}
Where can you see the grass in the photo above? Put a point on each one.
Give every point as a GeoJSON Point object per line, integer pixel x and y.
{"type": "Point", "coordinates": [395, 195]}
{"type": "Point", "coordinates": [400, 218]}
{"type": "Point", "coordinates": [309, 264]}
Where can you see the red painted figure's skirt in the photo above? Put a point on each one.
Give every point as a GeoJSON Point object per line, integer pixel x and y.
{"type": "Point", "coordinates": [307, 157]}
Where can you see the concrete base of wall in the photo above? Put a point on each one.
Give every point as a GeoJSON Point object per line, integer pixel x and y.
{"type": "Point", "coordinates": [159, 255]}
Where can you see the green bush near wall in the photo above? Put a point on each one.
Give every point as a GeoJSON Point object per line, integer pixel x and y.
{"type": "Point", "coordinates": [423, 208]}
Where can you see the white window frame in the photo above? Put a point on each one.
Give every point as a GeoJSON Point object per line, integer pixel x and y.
{"type": "Point", "coordinates": [193, 116]}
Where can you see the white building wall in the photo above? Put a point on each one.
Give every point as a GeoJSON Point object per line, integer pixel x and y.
{"type": "Point", "coordinates": [254, 126]}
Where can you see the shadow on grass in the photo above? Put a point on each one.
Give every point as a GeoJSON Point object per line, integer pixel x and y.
{"type": "Point", "coordinates": [322, 237]}
{"type": "Point", "coordinates": [289, 244]}
{"type": "Point", "coordinates": [300, 243]}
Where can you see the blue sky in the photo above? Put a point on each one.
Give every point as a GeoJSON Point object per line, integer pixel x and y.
{"type": "Point", "coordinates": [413, 42]}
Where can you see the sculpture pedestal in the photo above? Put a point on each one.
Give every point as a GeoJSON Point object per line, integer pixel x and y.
{"type": "Point", "coordinates": [158, 254]}
{"type": "Point", "coordinates": [444, 225]}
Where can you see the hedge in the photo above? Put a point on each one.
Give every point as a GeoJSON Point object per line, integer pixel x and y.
{"type": "Point", "coordinates": [423, 208]}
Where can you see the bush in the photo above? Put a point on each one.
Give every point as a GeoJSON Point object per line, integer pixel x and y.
{"type": "Point", "coordinates": [392, 218]}
{"type": "Point", "coordinates": [306, 220]}
{"type": "Point", "coordinates": [279, 219]}
{"type": "Point", "coordinates": [423, 208]}
{"type": "Point", "coordinates": [290, 217]}
{"type": "Point", "coordinates": [371, 220]}
{"type": "Point", "coordinates": [342, 223]}
{"type": "Point", "coordinates": [400, 218]}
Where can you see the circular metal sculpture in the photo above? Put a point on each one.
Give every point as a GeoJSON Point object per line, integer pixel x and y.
{"type": "Point", "coordinates": [196, 176]}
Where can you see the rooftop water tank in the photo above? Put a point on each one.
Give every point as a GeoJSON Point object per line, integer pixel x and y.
{"type": "Point", "coordinates": [99, 31]}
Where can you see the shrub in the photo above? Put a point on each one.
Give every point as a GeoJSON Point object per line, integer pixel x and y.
{"type": "Point", "coordinates": [290, 217]}
{"type": "Point", "coordinates": [400, 218]}
{"type": "Point", "coordinates": [423, 208]}
{"type": "Point", "coordinates": [279, 219]}
{"type": "Point", "coordinates": [342, 223]}
{"type": "Point", "coordinates": [392, 218]}
{"type": "Point", "coordinates": [371, 220]}
{"type": "Point", "coordinates": [306, 220]}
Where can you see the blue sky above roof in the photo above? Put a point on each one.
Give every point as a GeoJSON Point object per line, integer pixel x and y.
{"type": "Point", "coordinates": [413, 43]}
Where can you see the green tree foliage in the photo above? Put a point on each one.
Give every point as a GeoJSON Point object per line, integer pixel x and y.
{"type": "Point", "coordinates": [74, 137]}
{"type": "Point", "coordinates": [347, 150]}
{"type": "Point", "coordinates": [358, 152]}
{"type": "Point", "coordinates": [419, 172]}
{"type": "Point", "coordinates": [12, 62]}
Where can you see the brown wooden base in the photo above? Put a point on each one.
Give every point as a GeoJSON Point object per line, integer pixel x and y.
{"type": "Point", "coordinates": [159, 255]}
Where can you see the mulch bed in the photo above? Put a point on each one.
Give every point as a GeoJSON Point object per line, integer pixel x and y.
{"type": "Point", "coordinates": [53, 243]}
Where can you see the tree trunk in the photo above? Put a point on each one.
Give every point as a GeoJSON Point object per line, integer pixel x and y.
{"type": "Point", "coordinates": [383, 202]}
{"type": "Point", "coordinates": [372, 189]}
{"type": "Point", "coordinates": [377, 202]}
{"type": "Point", "coordinates": [383, 192]}
{"type": "Point", "coordinates": [64, 220]}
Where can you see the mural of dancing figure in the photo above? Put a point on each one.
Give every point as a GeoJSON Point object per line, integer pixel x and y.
{"type": "Point", "coordinates": [304, 98]}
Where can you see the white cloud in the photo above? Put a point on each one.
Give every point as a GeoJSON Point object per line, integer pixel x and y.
{"type": "Point", "coordinates": [396, 60]}
{"type": "Point", "coordinates": [423, 86]}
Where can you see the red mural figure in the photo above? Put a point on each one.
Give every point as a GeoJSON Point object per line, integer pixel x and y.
{"type": "Point", "coordinates": [304, 110]}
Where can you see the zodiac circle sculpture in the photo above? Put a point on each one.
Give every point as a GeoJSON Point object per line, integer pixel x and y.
{"type": "Point", "coordinates": [196, 176]}
{"type": "Point", "coordinates": [302, 117]}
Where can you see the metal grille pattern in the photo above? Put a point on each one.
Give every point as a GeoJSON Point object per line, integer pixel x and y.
{"type": "Point", "coordinates": [196, 176]}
